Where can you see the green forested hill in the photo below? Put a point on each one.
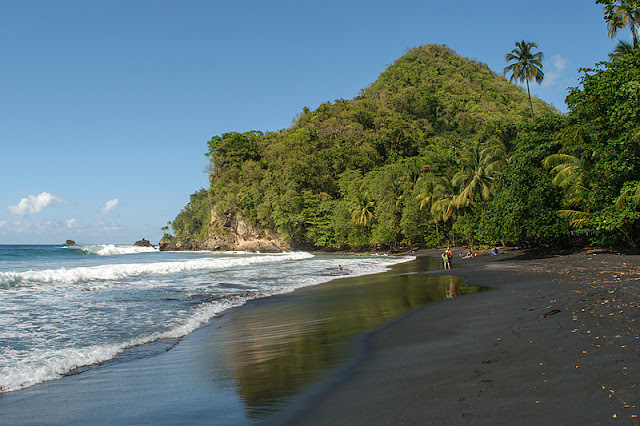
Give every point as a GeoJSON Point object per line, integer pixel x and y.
{"type": "Point", "coordinates": [438, 148]}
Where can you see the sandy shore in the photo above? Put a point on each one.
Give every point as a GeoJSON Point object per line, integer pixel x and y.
{"type": "Point", "coordinates": [242, 367]}
{"type": "Point", "coordinates": [555, 342]}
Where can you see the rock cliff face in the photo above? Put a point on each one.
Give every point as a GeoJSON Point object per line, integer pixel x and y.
{"type": "Point", "coordinates": [232, 233]}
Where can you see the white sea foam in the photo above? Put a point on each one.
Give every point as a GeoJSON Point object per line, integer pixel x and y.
{"type": "Point", "coordinates": [19, 370]}
{"type": "Point", "coordinates": [50, 351]}
{"type": "Point", "coordinates": [112, 249]}
{"type": "Point", "coordinates": [126, 270]}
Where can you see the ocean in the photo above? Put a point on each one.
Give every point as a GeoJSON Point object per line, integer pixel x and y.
{"type": "Point", "coordinates": [64, 309]}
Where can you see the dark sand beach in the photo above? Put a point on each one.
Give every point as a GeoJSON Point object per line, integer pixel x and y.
{"type": "Point", "coordinates": [555, 342]}
{"type": "Point", "coordinates": [244, 367]}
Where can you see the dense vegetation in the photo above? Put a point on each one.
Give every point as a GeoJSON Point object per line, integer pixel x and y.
{"type": "Point", "coordinates": [192, 223]}
{"type": "Point", "coordinates": [440, 149]}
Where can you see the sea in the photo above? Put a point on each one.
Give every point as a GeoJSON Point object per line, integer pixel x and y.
{"type": "Point", "coordinates": [64, 308]}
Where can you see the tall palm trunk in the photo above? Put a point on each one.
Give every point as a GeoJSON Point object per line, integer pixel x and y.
{"type": "Point", "coordinates": [526, 66]}
{"type": "Point", "coordinates": [530, 104]}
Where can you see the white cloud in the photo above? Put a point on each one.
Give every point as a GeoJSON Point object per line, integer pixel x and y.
{"type": "Point", "coordinates": [3, 223]}
{"type": "Point", "coordinates": [34, 203]}
{"type": "Point", "coordinates": [105, 227]}
{"type": "Point", "coordinates": [559, 62]}
{"type": "Point", "coordinates": [110, 205]}
{"type": "Point", "coordinates": [555, 70]}
{"type": "Point", "coordinates": [71, 223]}
{"type": "Point", "coordinates": [29, 225]}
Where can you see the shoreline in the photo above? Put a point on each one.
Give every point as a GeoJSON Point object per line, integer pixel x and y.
{"type": "Point", "coordinates": [248, 362]}
{"type": "Point", "coordinates": [498, 357]}
{"type": "Point", "coordinates": [555, 341]}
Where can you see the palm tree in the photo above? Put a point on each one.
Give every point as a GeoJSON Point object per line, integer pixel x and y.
{"type": "Point", "coordinates": [568, 170]}
{"type": "Point", "coordinates": [527, 66]}
{"type": "Point", "coordinates": [632, 192]}
{"type": "Point", "coordinates": [570, 175]}
{"type": "Point", "coordinates": [443, 204]}
{"type": "Point", "coordinates": [622, 48]}
{"type": "Point", "coordinates": [479, 166]}
{"type": "Point", "coordinates": [620, 14]}
{"type": "Point", "coordinates": [362, 210]}
{"type": "Point", "coordinates": [577, 216]}
{"type": "Point", "coordinates": [426, 186]}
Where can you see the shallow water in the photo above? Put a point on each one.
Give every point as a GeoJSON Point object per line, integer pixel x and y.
{"type": "Point", "coordinates": [67, 308]}
{"type": "Point", "coordinates": [283, 347]}
{"type": "Point", "coordinates": [244, 367]}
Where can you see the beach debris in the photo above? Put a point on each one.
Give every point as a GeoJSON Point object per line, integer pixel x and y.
{"type": "Point", "coordinates": [549, 313]}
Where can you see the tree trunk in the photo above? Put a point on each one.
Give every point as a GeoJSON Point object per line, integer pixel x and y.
{"type": "Point", "coordinates": [530, 104]}
{"type": "Point", "coordinates": [628, 235]}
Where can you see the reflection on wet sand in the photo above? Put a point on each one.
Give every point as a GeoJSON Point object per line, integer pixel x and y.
{"type": "Point", "coordinates": [282, 347]}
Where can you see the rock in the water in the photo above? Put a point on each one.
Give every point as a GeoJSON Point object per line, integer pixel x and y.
{"type": "Point", "coordinates": [143, 243]}
{"type": "Point", "coordinates": [69, 243]}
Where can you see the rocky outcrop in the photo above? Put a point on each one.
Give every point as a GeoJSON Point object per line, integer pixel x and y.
{"type": "Point", "coordinates": [232, 233]}
{"type": "Point", "coordinates": [181, 245]}
{"type": "Point", "coordinates": [143, 243]}
{"type": "Point", "coordinates": [68, 243]}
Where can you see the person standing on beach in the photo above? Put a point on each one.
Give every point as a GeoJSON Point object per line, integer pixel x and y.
{"type": "Point", "coordinates": [445, 259]}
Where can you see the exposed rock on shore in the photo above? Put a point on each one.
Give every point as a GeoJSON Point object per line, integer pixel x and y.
{"type": "Point", "coordinates": [232, 233]}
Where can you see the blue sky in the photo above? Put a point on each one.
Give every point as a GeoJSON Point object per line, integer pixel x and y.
{"type": "Point", "coordinates": [106, 106]}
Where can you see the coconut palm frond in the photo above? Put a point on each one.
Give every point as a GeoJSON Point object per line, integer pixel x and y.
{"type": "Point", "coordinates": [572, 136]}
{"type": "Point", "coordinates": [622, 49]}
{"type": "Point", "coordinates": [577, 218]}
{"type": "Point", "coordinates": [444, 206]}
{"type": "Point", "coordinates": [362, 211]}
{"type": "Point", "coordinates": [621, 14]}
{"type": "Point", "coordinates": [558, 159]}
{"type": "Point", "coordinates": [633, 192]}
{"type": "Point", "coordinates": [426, 193]}
{"type": "Point", "coordinates": [566, 176]}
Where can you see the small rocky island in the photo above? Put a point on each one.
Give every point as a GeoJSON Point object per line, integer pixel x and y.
{"type": "Point", "coordinates": [68, 243]}
{"type": "Point", "coordinates": [143, 243]}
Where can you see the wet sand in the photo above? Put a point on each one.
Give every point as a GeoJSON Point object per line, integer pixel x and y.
{"type": "Point", "coordinates": [242, 368]}
{"type": "Point", "coordinates": [555, 342]}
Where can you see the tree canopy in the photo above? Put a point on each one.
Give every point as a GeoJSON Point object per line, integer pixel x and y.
{"type": "Point", "coordinates": [440, 149]}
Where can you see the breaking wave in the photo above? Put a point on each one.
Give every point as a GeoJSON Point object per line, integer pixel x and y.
{"type": "Point", "coordinates": [125, 270]}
